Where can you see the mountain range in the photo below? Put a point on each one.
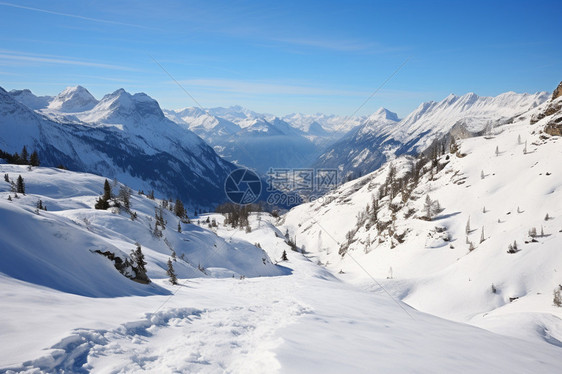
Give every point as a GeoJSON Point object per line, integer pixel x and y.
{"type": "Point", "coordinates": [115, 138]}
{"type": "Point", "coordinates": [382, 136]}
{"type": "Point", "coordinates": [198, 147]}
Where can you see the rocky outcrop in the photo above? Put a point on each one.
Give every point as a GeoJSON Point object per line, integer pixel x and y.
{"type": "Point", "coordinates": [557, 92]}
{"type": "Point", "coordinates": [554, 107]}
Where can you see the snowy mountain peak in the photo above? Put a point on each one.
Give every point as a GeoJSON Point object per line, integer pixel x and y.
{"type": "Point", "coordinates": [121, 104]}
{"type": "Point", "coordinates": [73, 100]}
{"type": "Point", "coordinates": [384, 114]}
{"type": "Point", "coordinates": [27, 98]}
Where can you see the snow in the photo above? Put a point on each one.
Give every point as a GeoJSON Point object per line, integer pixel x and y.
{"type": "Point", "coordinates": [366, 147]}
{"type": "Point", "coordinates": [291, 317]}
{"type": "Point", "coordinates": [443, 277]}
{"type": "Point", "coordinates": [72, 100]}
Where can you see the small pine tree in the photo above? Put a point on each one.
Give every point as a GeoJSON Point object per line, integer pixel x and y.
{"type": "Point", "coordinates": [7, 178]}
{"type": "Point", "coordinates": [519, 139]}
{"type": "Point", "coordinates": [179, 226]}
{"type": "Point", "coordinates": [139, 264]}
{"type": "Point", "coordinates": [470, 246]}
{"type": "Point", "coordinates": [525, 149]}
{"type": "Point", "coordinates": [20, 185]}
{"type": "Point", "coordinates": [124, 197]}
{"type": "Point", "coordinates": [151, 195]}
{"type": "Point", "coordinates": [284, 256]}
{"type": "Point", "coordinates": [171, 273]}
{"type": "Point", "coordinates": [482, 237]}
{"type": "Point", "coordinates": [482, 174]}
{"type": "Point", "coordinates": [24, 156]}
{"type": "Point", "coordinates": [467, 228]}
{"type": "Point", "coordinates": [101, 203]}
{"type": "Point", "coordinates": [106, 191]}
{"type": "Point", "coordinates": [497, 151]}
{"type": "Point", "coordinates": [9, 197]}
{"type": "Point", "coordinates": [484, 209]}
{"type": "Point", "coordinates": [179, 209]}
{"type": "Point", "coordinates": [542, 231]}
{"type": "Point", "coordinates": [558, 296]}
{"type": "Point", "coordinates": [547, 217]}
{"type": "Point", "coordinates": [34, 159]}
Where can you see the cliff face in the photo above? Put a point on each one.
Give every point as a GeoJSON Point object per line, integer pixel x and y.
{"type": "Point", "coordinates": [557, 92]}
{"type": "Point", "coordinates": [554, 109]}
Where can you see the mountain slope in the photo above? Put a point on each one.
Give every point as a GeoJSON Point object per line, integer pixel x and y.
{"type": "Point", "coordinates": [213, 320]}
{"type": "Point", "coordinates": [27, 98]}
{"type": "Point", "coordinates": [60, 253]}
{"type": "Point", "coordinates": [124, 136]}
{"type": "Point", "coordinates": [250, 139]}
{"type": "Point", "coordinates": [498, 193]}
{"type": "Point", "coordinates": [72, 100]}
{"type": "Point", "coordinates": [367, 147]}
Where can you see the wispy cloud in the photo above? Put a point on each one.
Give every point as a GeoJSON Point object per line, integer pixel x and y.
{"type": "Point", "coordinates": [77, 16]}
{"type": "Point", "coordinates": [340, 45]}
{"type": "Point", "coordinates": [265, 88]}
{"type": "Point", "coordinates": [13, 56]}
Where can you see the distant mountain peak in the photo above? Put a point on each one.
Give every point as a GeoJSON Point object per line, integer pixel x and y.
{"type": "Point", "coordinates": [384, 114]}
{"type": "Point", "coordinates": [30, 100]}
{"type": "Point", "coordinates": [73, 100]}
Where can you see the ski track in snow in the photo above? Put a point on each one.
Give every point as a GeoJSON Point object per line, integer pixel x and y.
{"type": "Point", "coordinates": [237, 338]}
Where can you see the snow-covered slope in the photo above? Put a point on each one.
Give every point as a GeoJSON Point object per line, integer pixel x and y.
{"type": "Point", "coordinates": [124, 136]}
{"type": "Point", "coordinates": [291, 318]}
{"type": "Point", "coordinates": [58, 251]}
{"type": "Point", "coordinates": [496, 190]}
{"type": "Point", "coordinates": [27, 98]}
{"type": "Point", "coordinates": [72, 100]}
{"type": "Point", "coordinates": [367, 147]}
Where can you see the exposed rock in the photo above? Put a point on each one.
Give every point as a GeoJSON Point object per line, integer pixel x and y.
{"type": "Point", "coordinates": [557, 92]}
{"type": "Point", "coordinates": [554, 126]}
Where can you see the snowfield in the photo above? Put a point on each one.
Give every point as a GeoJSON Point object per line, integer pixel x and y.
{"type": "Point", "coordinates": [493, 194]}
{"type": "Point", "coordinates": [66, 309]}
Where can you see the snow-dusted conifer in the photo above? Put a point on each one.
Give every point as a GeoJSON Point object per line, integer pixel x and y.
{"type": "Point", "coordinates": [171, 273]}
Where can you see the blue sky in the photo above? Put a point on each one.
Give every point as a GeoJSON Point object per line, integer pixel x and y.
{"type": "Point", "coordinates": [283, 56]}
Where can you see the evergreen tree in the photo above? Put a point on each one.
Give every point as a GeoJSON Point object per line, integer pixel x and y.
{"type": "Point", "coordinates": [24, 156]}
{"type": "Point", "coordinates": [106, 190]}
{"type": "Point", "coordinates": [20, 185]}
{"type": "Point", "coordinates": [179, 209]}
{"type": "Point", "coordinates": [179, 226]}
{"type": "Point", "coordinates": [467, 228]}
{"type": "Point", "coordinates": [7, 178]}
{"type": "Point", "coordinates": [284, 256]}
{"type": "Point", "coordinates": [482, 237]}
{"type": "Point", "coordinates": [171, 273]}
{"type": "Point", "coordinates": [101, 204]}
{"type": "Point", "coordinates": [139, 264]}
{"type": "Point", "coordinates": [34, 159]}
{"type": "Point", "coordinates": [125, 197]}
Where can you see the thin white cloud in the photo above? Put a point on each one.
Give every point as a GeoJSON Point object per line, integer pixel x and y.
{"type": "Point", "coordinates": [341, 45]}
{"type": "Point", "coordinates": [12, 56]}
{"type": "Point", "coordinates": [98, 20]}
{"type": "Point", "coordinates": [265, 88]}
